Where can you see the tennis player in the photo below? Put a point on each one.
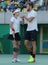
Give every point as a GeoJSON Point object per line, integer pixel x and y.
{"type": "Point", "coordinates": [31, 32]}
{"type": "Point", "coordinates": [14, 33]}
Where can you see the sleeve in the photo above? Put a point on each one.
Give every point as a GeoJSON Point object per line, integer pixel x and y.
{"type": "Point", "coordinates": [12, 19]}
{"type": "Point", "coordinates": [33, 14]}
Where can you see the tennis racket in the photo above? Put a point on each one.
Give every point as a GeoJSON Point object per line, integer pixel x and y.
{"type": "Point", "coordinates": [14, 36]}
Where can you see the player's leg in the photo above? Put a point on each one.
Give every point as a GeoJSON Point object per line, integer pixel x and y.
{"type": "Point", "coordinates": [15, 50]}
{"type": "Point", "coordinates": [16, 44]}
{"type": "Point", "coordinates": [33, 38]}
{"type": "Point", "coordinates": [15, 47]}
{"type": "Point", "coordinates": [26, 42]}
{"type": "Point", "coordinates": [33, 41]}
{"type": "Point", "coordinates": [27, 39]}
{"type": "Point", "coordinates": [31, 59]}
{"type": "Point", "coordinates": [34, 49]}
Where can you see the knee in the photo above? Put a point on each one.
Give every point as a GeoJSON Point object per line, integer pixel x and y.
{"type": "Point", "coordinates": [14, 43]}
{"type": "Point", "coordinates": [15, 49]}
{"type": "Point", "coordinates": [26, 42]}
{"type": "Point", "coordinates": [33, 43]}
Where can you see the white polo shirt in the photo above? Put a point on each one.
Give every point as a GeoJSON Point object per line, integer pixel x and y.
{"type": "Point", "coordinates": [16, 24]}
{"type": "Point", "coordinates": [33, 24]}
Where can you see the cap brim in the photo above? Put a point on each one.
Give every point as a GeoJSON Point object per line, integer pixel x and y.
{"type": "Point", "coordinates": [16, 11]}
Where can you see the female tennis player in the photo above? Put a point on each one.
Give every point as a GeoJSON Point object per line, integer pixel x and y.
{"type": "Point", "coordinates": [14, 33]}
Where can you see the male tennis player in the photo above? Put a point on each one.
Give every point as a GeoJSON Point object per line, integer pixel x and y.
{"type": "Point", "coordinates": [14, 33]}
{"type": "Point", "coordinates": [31, 33]}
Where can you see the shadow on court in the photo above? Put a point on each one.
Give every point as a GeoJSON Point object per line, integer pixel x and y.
{"type": "Point", "coordinates": [7, 60]}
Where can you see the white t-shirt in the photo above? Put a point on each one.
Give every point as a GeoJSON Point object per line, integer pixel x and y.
{"type": "Point", "coordinates": [16, 24]}
{"type": "Point", "coordinates": [32, 25]}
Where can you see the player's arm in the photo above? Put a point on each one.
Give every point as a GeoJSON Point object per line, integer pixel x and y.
{"type": "Point", "coordinates": [28, 19]}
{"type": "Point", "coordinates": [11, 26]}
{"type": "Point", "coordinates": [22, 21]}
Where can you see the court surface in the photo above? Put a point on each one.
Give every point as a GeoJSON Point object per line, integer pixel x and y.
{"type": "Point", "coordinates": [7, 60]}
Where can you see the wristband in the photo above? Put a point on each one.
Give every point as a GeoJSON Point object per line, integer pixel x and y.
{"type": "Point", "coordinates": [13, 29]}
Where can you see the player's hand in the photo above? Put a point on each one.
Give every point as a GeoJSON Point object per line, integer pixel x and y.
{"type": "Point", "coordinates": [13, 35]}
{"type": "Point", "coordinates": [13, 32]}
{"type": "Point", "coordinates": [23, 17]}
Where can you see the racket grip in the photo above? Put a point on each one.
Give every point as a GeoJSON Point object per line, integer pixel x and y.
{"type": "Point", "coordinates": [14, 36]}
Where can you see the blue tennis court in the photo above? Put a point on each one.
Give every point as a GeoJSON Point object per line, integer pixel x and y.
{"type": "Point", "coordinates": [7, 60]}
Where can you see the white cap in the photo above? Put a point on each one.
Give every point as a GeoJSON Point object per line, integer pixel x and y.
{"type": "Point", "coordinates": [16, 11]}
